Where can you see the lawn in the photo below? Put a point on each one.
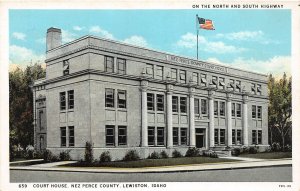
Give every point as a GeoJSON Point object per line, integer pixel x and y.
{"type": "Point", "coordinates": [26, 163]}
{"type": "Point", "coordinates": [272, 155]}
{"type": "Point", "coordinates": [152, 162]}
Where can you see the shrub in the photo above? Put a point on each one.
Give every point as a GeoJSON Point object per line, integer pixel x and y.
{"type": "Point", "coordinates": [236, 152]}
{"type": "Point", "coordinates": [64, 155]}
{"type": "Point", "coordinates": [154, 155]}
{"type": "Point", "coordinates": [164, 155]}
{"type": "Point", "coordinates": [29, 152]}
{"type": "Point", "coordinates": [245, 149]}
{"type": "Point", "coordinates": [192, 152]}
{"type": "Point", "coordinates": [176, 154]}
{"type": "Point", "coordinates": [276, 147]}
{"type": "Point", "coordinates": [88, 154]}
{"type": "Point", "coordinates": [48, 156]}
{"type": "Point", "coordinates": [213, 155]}
{"type": "Point", "coordinates": [287, 148]}
{"type": "Point", "coordinates": [131, 155]}
{"type": "Point", "coordinates": [105, 157]}
{"type": "Point", "coordinates": [252, 150]}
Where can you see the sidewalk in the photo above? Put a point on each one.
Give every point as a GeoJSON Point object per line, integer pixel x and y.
{"type": "Point", "coordinates": [245, 163]}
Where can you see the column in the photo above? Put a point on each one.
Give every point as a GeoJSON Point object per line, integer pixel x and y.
{"type": "Point", "coordinates": [245, 120]}
{"type": "Point", "coordinates": [211, 127]}
{"type": "Point", "coordinates": [229, 120]}
{"type": "Point", "coordinates": [192, 117]}
{"type": "Point", "coordinates": [169, 116]}
{"type": "Point", "coordinates": [144, 114]}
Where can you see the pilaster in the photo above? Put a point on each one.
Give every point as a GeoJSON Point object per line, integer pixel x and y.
{"type": "Point", "coordinates": [169, 116]}
{"type": "Point", "coordinates": [143, 88]}
{"type": "Point", "coordinates": [192, 116]}
{"type": "Point", "coordinates": [211, 119]}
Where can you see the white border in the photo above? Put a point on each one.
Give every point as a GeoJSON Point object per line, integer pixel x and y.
{"type": "Point", "coordinates": [144, 4]}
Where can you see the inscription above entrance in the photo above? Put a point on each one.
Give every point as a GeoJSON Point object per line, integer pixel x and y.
{"type": "Point", "coordinates": [181, 60]}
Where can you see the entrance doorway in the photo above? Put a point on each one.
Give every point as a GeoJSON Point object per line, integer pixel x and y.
{"type": "Point", "coordinates": [200, 138]}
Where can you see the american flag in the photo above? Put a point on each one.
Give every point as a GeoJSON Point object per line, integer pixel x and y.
{"type": "Point", "coordinates": [206, 24]}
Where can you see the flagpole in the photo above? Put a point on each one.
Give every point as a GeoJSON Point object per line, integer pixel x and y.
{"type": "Point", "coordinates": [197, 33]}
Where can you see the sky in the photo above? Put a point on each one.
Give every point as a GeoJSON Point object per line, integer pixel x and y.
{"type": "Point", "coordinates": [255, 40]}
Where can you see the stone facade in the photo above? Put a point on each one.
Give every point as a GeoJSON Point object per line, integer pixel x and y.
{"type": "Point", "coordinates": [120, 97]}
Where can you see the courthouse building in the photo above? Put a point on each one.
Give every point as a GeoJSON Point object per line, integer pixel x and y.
{"type": "Point", "coordinates": [120, 97]}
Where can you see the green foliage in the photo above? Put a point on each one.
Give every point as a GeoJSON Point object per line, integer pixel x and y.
{"type": "Point", "coordinates": [105, 157]}
{"type": "Point", "coordinates": [48, 156]}
{"type": "Point", "coordinates": [192, 152]}
{"type": "Point", "coordinates": [64, 155]}
{"type": "Point", "coordinates": [131, 155]}
{"type": "Point", "coordinates": [176, 154]}
{"type": "Point", "coordinates": [213, 155]}
{"type": "Point", "coordinates": [253, 150]}
{"type": "Point", "coordinates": [164, 154]}
{"type": "Point", "coordinates": [21, 104]}
{"type": "Point", "coordinates": [280, 110]}
{"type": "Point", "coordinates": [236, 152]}
{"type": "Point", "coordinates": [88, 154]}
{"type": "Point", "coordinates": [154, 155]}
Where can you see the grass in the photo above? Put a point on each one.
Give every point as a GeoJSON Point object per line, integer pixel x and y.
{"type": "Point", "coordinates": [271, 155]}
{"type": "Point", "coordinates": [26, 163]}
{"type": "Point", "coordinates": [152, 162]}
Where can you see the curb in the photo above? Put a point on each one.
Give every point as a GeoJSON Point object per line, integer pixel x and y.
{"type": "Point", "coordinates": [147, 170]}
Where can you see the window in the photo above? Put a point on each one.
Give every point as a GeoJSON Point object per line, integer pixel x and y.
{"type": "Point", "coordinates": [109, 97]}
{"type": "Point", "coordinates": [40, 119]}
{"type": "Point", "coordinates": [122, 135]}
{"type": "Point", "coordinates": [160, 136]}
{"type": "Point", "coordinates": [160, 102]}
{"type": "Point", "coordinates": [62, 100]}
{"type": "Point", "coordinates": [63, 137]}
{"type": "Point", "coordinates": [222, 108]}
{"type": "Point", "coordinates": [238, 86]}
{"type": "Point", "coordinates": [151, 136]}
{"type": "Point", "coordinates": [196, 106]}
{"type": "Point", "coordinates": [253, 89]}
{"type": "Point", "coordinates": [149, 70]}
{"type": "Point", "coordinates": [182, 75]}
{"type": "Point", "coordinates": [238, 110]}
{"type": "Point", "coordinates": [259, 137]}
{"type": "Point", "coordinates": [259, 112]}
{"type": "Point", "coordinates": [253, 111]}
{"type": "Point", "coordinates": [71, 137]}
{"type": "Point", "coordinates": [203, 80]}
{"type": "Point", "coordinates": [110, 135]}
{"type": "Point", "coordinates": [233, 109]}
{"type": "Point", "coordinates": [66, 67]}
{"type": "Point", "coordinates": [216, 108]}
{"type": "Point", "coordinates": [239, 136]}
{"type": "Point", "coordinates": [258, 89]}
{"type": "Point", "coordinates": [222, 83]}
{"type": "Point", "coordinates": [175, 104]}
{"type": "Point", "coordinates": [174, 74]}
{"type": "Point", "coordinates": [159, 72]}
{"type": "Point", "coordinates": [121, 99]}
{"type": "Point", "coordinates": [183, 136]}
{"type": "Point", "coordinates": [231, 85]}
{"type": "Point", "coordinates": [183, 103]}
{"type": "Point", "coordinates": [175, 136]}
{"type": "Point", "coordinates": [222, 136]}
{"type": "Point", "coordinates": [254, 137]}
{"type": "Point", "coordinates": [121, 63]}
{"type": "Point", "coordinates": [195, 77]}
{"type": "Point", "coordinates": [216, 136]}
{"type": "Point", "coordinates": [150, 101]}
{"type": "Point", "coordinates": [233, 137]}
{"type": "Point", "coordinates": [203, 106]}
{"type": "Point", "coordinates": [109, 64]}
{"type": "Point", "coordinates": [215, 81]}
{"type": "Point", "coordinates": [71, 99]}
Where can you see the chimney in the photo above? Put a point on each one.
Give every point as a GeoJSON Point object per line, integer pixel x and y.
{"type": "Point", "coordinates": [53, 38]}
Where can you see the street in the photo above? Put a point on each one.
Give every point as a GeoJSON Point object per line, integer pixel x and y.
{"type": "Point", "coordinates": [263, 174]}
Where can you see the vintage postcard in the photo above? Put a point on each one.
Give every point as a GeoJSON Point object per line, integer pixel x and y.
{"type": "Point", "coordinates": [143, 95]}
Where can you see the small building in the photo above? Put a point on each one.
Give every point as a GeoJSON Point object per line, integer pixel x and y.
{"type": "Point", "coordinates": [120, 97]}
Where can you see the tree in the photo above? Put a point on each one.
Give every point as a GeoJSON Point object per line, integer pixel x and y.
{"type": "Point", "coordinates": [280, 109]}
{"type": "Point", "coordinates": [21, 104]}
